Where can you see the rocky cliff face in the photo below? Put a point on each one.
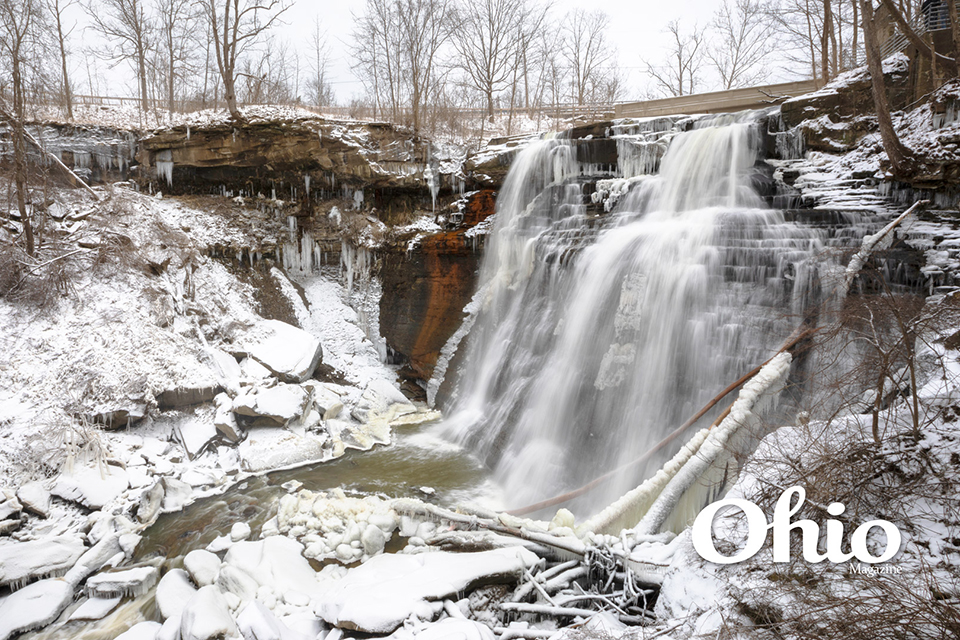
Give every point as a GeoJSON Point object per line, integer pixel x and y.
{"type": "Point", "coordinates": [293, 156]}
{"type": "Point", "coordinates": [426, 287]}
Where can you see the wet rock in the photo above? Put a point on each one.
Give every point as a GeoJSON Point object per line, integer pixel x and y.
{"type": "Point", "coordinates": [35, 498]}
{"type": "Point", "coordinates": [34, 606]}
{"type": "Point", "coordinates": [26, 561]}
{"type": "Point", "coordinates": [288, 352]}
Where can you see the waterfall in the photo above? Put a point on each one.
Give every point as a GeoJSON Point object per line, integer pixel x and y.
{"type": "Point", "coordinates": [596, 335]}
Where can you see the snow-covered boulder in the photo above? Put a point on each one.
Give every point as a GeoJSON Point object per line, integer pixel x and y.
{"type": "Point", "coordinates": [35, 498]}
{"type": "Point", "coordinates": [34, 606]}
{"type": "Point", "coordinates": [225, 421]}
{"type": "Point", "coordinates": [290, 353]}
{"type": "Point", "coordinates": [256, 622]}
{"type": "Point", "coordinates": [22, 562]}
{"type": "Point", "coordinates": [413, 585]}
{"type": "Point", "coordinates": [95, 608]}
{"type": "Point", "coordinates": [128, 582]}
{"type": "Point", "coordinates": [379, 396]}
{"type": "Point", "coordinates": [93, 487]}
{"type": "Point", "coordinates": [195, 434]}
{"type": "Point", "coordinates": [141, 631]}
{"type": "Point", "coordinates": [277, 405]}
{"type": "Point", "coordinates": [173, 593]}
{"type": "Point", "coordinates": [267, 448]}
{"type": "Point", "coordinates": [207, 616]}
{"type": "Point", "coordinates": [203, 566]}
{"type": "Point", "coordinates": [276, 562]}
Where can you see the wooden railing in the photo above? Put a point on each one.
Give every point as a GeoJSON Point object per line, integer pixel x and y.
{"type": "Point", "coordinates": [717, 101]}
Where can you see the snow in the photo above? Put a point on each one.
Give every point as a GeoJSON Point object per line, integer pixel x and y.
{"type": "Point", "coordinates": [256, 622]}
{"type": "Point", "coordinates": [127, 582]}
{"type": "Point", "coordinates": [95, 608]}
{"type": "Point", "coordinates": [34, 606]}
{"type": "Point", "coordinates": [203, 566]}
{"type": "Point", "coordinates": [406, 586]}
{"type": "Point", "coordinates": [206, 616]}
{"type": "Point", "coordinates": [173, 593]}
{"type": "Point", "coordinates": [289, 352]}
{"type": "Point", "coordinates": [141, 631]}
{"type": "Point", "coordinates": [21, 562]}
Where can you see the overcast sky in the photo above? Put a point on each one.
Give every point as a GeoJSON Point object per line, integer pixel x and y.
{"type": "Point", "coordinates": [636, 30]}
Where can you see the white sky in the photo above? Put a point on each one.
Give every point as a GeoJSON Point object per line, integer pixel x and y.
{"type": "Point", "coordinates": [636, 30]}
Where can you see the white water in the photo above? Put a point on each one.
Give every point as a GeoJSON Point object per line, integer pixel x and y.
{"type": "Point", "coordinates": [597, 336]}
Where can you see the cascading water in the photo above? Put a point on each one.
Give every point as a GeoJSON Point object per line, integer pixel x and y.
{"type": "Point", "coordinates": [597, 335]}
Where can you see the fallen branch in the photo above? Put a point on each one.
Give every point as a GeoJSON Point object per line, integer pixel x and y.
{"type": "Point", "coordinates": [530, 634]}
{"type": "Point", "coordinates": [546, 609]}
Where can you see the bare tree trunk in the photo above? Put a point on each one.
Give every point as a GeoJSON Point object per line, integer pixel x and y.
{"type": "Point", "coordinates": [900, 157]}
{"type": "Point", "coordinates": [954, 27]}
{"type": "Point", "coordinates": [825, 31]}
{"type": "Point", "coordinates": [20, 153]}
{"type": "Point", "coordinates": [57, 12]}
{"type": "Point", "coordinates": [810, 40]}
{"type": "Point", "coordinates": [856, 31]}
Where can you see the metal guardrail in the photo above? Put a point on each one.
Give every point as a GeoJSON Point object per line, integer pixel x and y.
{"type": "Point", "coordinates": [716, 101]}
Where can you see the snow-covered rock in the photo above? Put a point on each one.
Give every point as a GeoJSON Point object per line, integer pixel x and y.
{"type": "Point", "coordinates": [267, 448]}
{"type": "Point", "coordinates": [93, 487]}
{"type": "Point", "coordinates": [22, 562]}
{"type": "Point", "coordinates": [195, 435]}
{"type": "Point", "coordinates": [203, 566]}
{"type": "Point", "coordinates": [95, 608]}
{"type": "Point", "coordinates": [34, 606]}
{"type": "Point", "coordinates": [207, 616]}
{"type": "Point", "coordinates": [128, 582]}
{"type": "Point", "coordinates": [275, 405]}
{"type": "Point", "coordinates": [290, 353]}
{"type": "Point", "coordinates": [176, 494]}
{"type": "Point", "coordinates": [276, 562]}
{"type": "Point", "coordinates": [239, 531]}
{"type": "Point", "coordinates": [256, 622]}
{"type": "Point", "coordinates": [141, 631]}
{"type": "Point", "coordinates": [173, 592]}
{"type": "Point", "coordinates": [35, 498]}
{"type": "Point", "coordinates": [225, 421]}
{"type": "Point", "coordinates": [151, 501]}
{"type": "Point", "coordinates": [412, 585]}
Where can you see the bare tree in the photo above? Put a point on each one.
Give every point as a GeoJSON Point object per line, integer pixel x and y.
{"type": "Point", "coordinates": [56, 9]}
{"type": "Point", "coordinates": [236, 25]}
{"type": "Point", "coordinates": [321, 93]}
{"type": "Point", "coordinates": [743, 43]}
{"type": "Point", "coordinates": [678, 75]}
{"type": "Point", "coordinates": [486, 41]}
{"type": "Point", "coordinates": [586, 51]}
{"type": "Point", "coordinates": [19, 28]}
{"type": "Point", "coordinates": [129, 31]}
{"type": "Point", "coordinates": [178, 25]}
{"type": "Point", "coordinates": [378, 50]}
{"type": "Point", "coordinates": [426, 25]}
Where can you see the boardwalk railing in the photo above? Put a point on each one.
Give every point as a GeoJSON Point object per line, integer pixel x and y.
{"type": "Point", "coordinates": [716, 101]}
